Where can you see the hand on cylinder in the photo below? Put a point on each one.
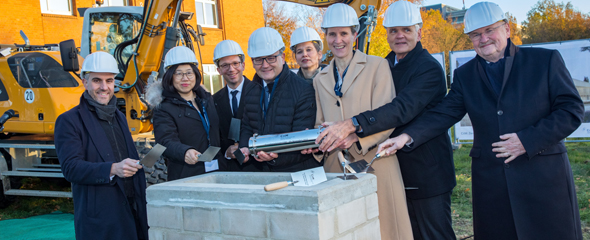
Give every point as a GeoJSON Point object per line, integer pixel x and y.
{"type": "Point", "coordinates": [334, 134]}
{"type": "Point", "coordinates": [191, 156]}
{"type": "Point", "coordinates": [393, 144]}
{"type": "Point", "coordinates": [126, 168]}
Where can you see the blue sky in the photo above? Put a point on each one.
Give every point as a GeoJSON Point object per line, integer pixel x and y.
{"type": "Point", "coordinates": [518, 8]}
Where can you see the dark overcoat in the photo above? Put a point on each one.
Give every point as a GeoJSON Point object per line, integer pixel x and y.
{"type": "Point", "coordinates": [178, 127]}
{"type": "Point", "coordinates": [292, 107]}
{"type": "Point", "coordinates": [101, 209]}
{"type": "Point", "coordinates": [532, 197]}
{"type": "Point", "coordinates": [420, 85]}
{"type": "Point", "coordinates": [224, 111]}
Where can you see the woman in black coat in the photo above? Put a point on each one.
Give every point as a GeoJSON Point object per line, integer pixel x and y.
{"type": "Point", "coordinates": [185, 120]}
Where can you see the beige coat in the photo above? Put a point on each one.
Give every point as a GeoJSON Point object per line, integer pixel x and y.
{"type": "Point", "coordinates": [366, 86]}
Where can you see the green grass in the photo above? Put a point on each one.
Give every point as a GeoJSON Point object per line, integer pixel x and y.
{"type": "Point", "coordinates": [579, 156]}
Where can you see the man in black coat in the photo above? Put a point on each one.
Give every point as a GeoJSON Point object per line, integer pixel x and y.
{"type": "Point", "coordinates": [97, 155]}
{"type": "Point", "coordinates": [428, 171]}
{"type": "Point", "coordinates": [280, 102]}
{"type": "Point", "coordinates": [229, 59]}
{"type": "Point", "coordinates": [522, 104]}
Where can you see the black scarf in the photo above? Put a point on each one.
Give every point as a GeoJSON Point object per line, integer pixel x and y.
{"type": "Point", "coordinates": [104, 112]}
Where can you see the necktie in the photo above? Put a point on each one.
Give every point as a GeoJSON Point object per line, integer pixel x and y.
{"type": "Point", "coordinates": [266, 97]}
{"type": "Point", "coordinates": [234, 102]}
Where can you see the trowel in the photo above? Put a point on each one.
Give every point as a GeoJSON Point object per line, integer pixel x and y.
{"type": "Point", "coordinates": [345, 164]}
{"type": "Point", "coordinates": [304, 178]}
{"type": "Point", "coordinates": [209, 154]}
{"type": "Point", "coordinates": [362, 166]}
{"type": "Point", "coordinates": [152, 156]}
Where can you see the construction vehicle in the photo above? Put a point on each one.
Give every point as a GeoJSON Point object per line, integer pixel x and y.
{"type": "Point", "coordinates": [38, 83]}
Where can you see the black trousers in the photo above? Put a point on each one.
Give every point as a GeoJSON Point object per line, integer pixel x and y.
{"type": "Point", "coordinates": [431, 217]}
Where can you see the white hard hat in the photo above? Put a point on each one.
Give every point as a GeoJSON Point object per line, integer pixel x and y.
{"type": "Point", "coordinates": [178, 55]}
{"type": "Point", "coordinates": [264, 42]}
{"type": "Point", "coordinates": [482, 14]}
{"type": "Point", "coordinates": [340, 15]}
{"type": "Point", "coordinates": [402, 14]}
{"type": "Point", "coordinates": [305, 34]}
{"type": "Point", "coordinates": [100, 62]}
{"type": "Point", "coordinates": [227, 48]}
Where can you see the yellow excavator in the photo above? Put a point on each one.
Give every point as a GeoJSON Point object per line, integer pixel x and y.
{"type": "Point", "coordinates": [38, 83]}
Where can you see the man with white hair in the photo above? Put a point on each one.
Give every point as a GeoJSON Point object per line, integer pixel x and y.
{"type": "Point", "coordinates": [97, 155]}
{"type": "Point", "coordinates": [522, 103]}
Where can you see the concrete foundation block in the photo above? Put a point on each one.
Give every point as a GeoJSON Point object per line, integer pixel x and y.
{"type": "Point", "coordinates": [244, 222]}
{"type": "Point", "coordinates": [201, 219]}
{"type": "Point", "coordinates": [293, 225]}
{"type": "Point", "coordinates": [327, 223]}
{"type": "Point", "coordinates": [351, 214]}
{"type": "Point", "coordinates": [234, 206]}
{"type": "Point", "coordinates": [372, 206]}
{"type": "Point", "coordinates": [369, 231]}
{"type": "Point", "coordinates": [164, 216]}
{"type": "Point", "coordinates": [155, 234]}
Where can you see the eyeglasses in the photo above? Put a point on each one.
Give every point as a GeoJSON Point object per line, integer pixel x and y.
{"type": "Point", "coordinates": [488, 32]}
{"type": "Point", "coordinates": [180, 75]}
{"type": "Point", "coordinates": [269, 59]}
{"type": "Point", "coordinates": [226, 66]}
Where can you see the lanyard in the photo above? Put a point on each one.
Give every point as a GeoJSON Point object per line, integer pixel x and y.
{"type": "Point", "coordinates": [204, 117]}
{"type": "Point", "coordinates": [263, 95]}
{"type": "Point", "coordinates": [339, 80]}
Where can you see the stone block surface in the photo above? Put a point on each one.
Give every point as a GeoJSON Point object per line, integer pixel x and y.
{"type": "Point", "coordinates": [293, 225]}
{"type": "Point", "coordinates": [351, 214]}
{"type": "Point", "coordinates": [155, 234]}
{"type": "Point", "coordinates": [201, 219]}
{"type": "Point", "coordinates": [369, 231]}
{"type": "Point", "coordinates": [234, 206]}
{"type": "Point", "coordinates": [164, 216]}
{"type": "Point", "coordinates": [244, 222]}
{"type": "Point", "coordinates": [372, 206]}
{"type": "Point", "coordinates": [327, 223]}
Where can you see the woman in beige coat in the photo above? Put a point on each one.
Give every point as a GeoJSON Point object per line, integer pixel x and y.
{"type": "Point", "coordinates": [366, 85]}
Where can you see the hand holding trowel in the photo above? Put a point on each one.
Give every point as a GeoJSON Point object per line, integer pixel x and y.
{"type": "Point", "coordinates": [305, 178]}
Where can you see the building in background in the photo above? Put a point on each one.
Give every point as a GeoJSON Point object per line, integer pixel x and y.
{"type": "Point", "coordinates": [53, 21]}
{"type": "Point", "coordinates": [455, 14]}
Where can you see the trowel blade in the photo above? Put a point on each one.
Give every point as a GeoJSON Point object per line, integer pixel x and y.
{"type": "Point", "coordinates": [309, 177]}
{"type": "Point", "coordinates": [359, 166]}
{"type": "Point", "coordinates": [152, 156]}
{"type": "Point", "coordinates": [209, 154]}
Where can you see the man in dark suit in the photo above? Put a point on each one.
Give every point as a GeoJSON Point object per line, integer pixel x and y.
{"type": "Point", "coordinates": [522, 103]}
{"type": "Point", "coordinates": [229, 59]}
{"type": "Point", "coordinates": [428, 171]}
{"type": "Point", "coordinates": [98, 157]}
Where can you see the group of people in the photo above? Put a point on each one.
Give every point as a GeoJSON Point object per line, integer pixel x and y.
{"type": "Point", "coordinates": [522, 103]}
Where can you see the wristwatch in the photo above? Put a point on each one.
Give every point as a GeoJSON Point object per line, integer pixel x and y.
{"type": "Point", "coordinates": [356, 125]}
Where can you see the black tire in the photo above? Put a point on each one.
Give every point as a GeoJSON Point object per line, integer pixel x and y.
{"type": "Point", "coordinates": [156, 174]}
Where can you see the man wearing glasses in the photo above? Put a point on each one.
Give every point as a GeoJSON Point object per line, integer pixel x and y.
{"type": "Point", "coordinates": [281, 102]}
{"type": "Point", "coordinates": [229, 59]}
{"type": "Point", "coordinates": [522, 103]}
